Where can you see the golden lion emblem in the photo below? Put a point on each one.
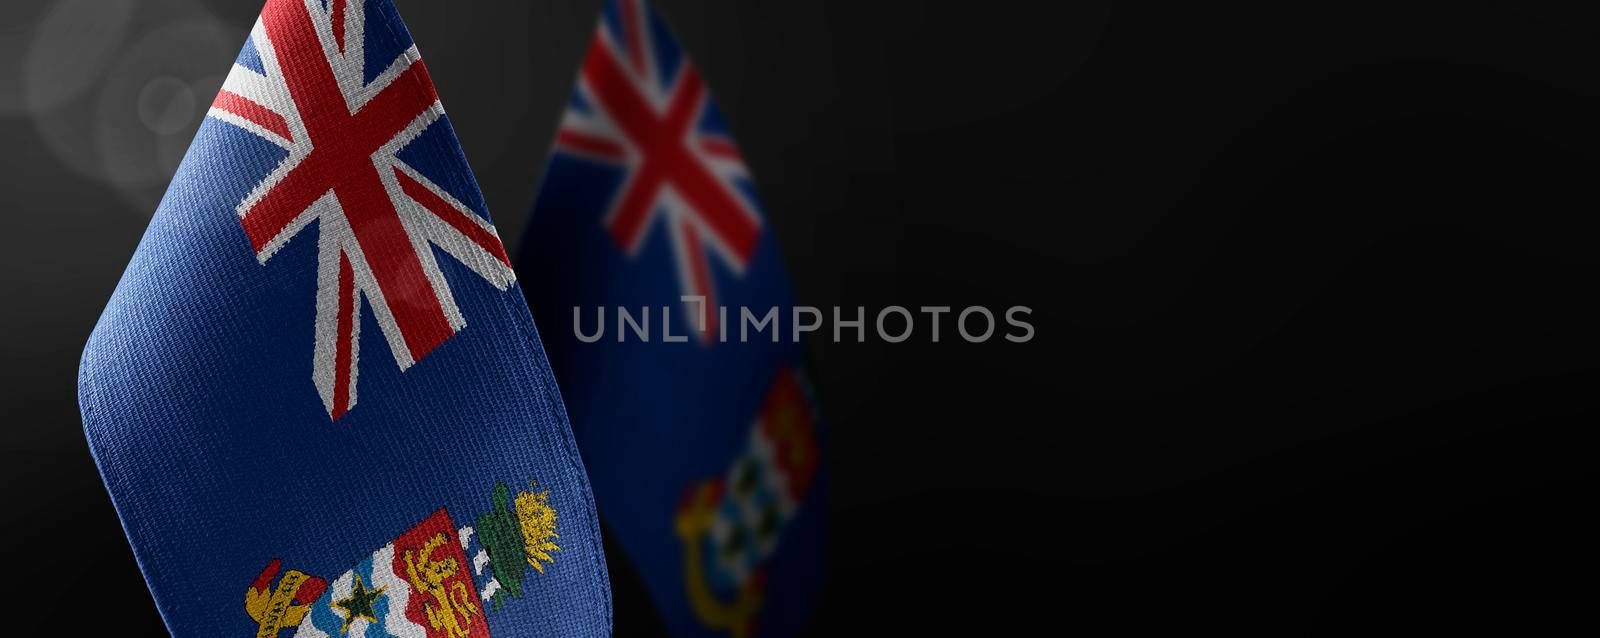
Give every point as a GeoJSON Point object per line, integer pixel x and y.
{"type": "Point", "coordinates": [430, 577]}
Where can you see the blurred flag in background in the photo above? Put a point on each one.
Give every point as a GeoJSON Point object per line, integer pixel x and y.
{"type": "Point", "coordinates": [703, 450]}
{"type": "Point", "coordinates": [316, 398]}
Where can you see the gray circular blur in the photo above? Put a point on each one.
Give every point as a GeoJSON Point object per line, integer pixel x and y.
{"type": "Point", "coordinates": [154, 99]}
{"type": "Point", "coordinates": [123, 110]}
{"type": "Point", "coordinates": [71, 47]}
{"type": "Point", "coordinates": [166, 104]}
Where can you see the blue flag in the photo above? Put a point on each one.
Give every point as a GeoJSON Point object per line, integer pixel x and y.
{"type": "Point", "coordinates": [645, 248]}
{"type": "Point", "coordinates": [317, 397]}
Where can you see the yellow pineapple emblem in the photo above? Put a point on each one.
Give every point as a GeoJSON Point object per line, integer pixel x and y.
{"type": "Point", "coordinates": [538, 523]}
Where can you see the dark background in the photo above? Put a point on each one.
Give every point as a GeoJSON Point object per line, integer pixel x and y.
{"type": "Point", "coordinates": [1313, 284]}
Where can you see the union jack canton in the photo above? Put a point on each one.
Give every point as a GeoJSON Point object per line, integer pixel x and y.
{"type": "Point", "coordinates": [343, 116]}
{"type": "Point", "coordinates": [641, 105]}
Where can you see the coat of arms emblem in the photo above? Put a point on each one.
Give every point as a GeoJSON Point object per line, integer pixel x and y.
{"type": "Point", "coordinates": [435, 580]}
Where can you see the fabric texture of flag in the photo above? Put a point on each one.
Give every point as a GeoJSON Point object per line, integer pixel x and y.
{"type": "Point", "coordinates": [317, 397]}
{"type": "Point", "coordinates": [702, 445]}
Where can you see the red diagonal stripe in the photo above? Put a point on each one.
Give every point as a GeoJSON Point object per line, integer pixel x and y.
{"type": "Point", "coordinates": [591, 144]}
{"type": "Point", "coordinates": [254, 113]}
{"type": "Point", "coordinates": [344, 340]}
{"type": "Point", "coordinates": [717, 146]}
{"type": "Point", "coordinates": [452, 215]}
{"type": "Point", "coordinates": [338, 21]}
{"type": "Point", "coordinates": [633, 32]}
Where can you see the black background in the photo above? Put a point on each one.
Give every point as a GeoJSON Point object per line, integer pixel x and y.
{"type": "Point", "coordinates": [1313, 287]}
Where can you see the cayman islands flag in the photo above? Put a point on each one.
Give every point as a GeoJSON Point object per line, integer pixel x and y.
{"type": "Point", "coordinates": [317, 397]}
{"type": "Point", "coordinates": [701, 436]}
